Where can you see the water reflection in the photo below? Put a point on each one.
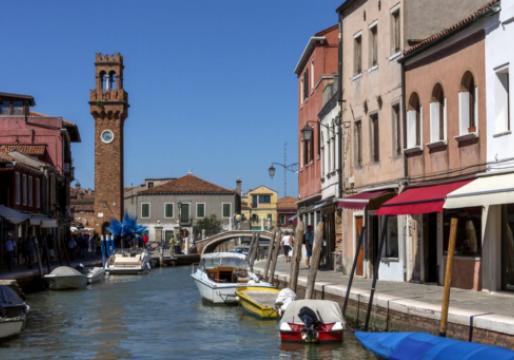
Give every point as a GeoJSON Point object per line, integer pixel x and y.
{"type": "Point", "coordinates": [156, 316]}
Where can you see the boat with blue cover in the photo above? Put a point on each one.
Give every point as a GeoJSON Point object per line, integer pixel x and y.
{"type": "Point", "coordinates": [423, 346]}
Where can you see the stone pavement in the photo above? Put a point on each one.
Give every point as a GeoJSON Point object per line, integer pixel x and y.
{"type": "Point", "coordinates": [489, 311]}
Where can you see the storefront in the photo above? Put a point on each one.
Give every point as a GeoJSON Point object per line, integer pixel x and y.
{"type": "Point", "coordinates": [493, 195]}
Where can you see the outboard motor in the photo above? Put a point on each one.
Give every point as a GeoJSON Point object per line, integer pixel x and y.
{"type": "Point", "coordinates": [310, 322]}
{"type": "Point", "coordinates": [284, 298]}
{"type": "Point", "coordinates": [80, 267]}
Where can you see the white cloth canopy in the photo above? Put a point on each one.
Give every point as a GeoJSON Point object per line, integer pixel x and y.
{"type": "Point", "coordinates": [12, 215]}
{"type": "Point", "coordinates": [483, 191]}
{"type": "Point", "coordinates": [328, 311]}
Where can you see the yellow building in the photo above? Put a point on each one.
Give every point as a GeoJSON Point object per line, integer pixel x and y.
{"type": "Point", "coordinates": [259, 208]}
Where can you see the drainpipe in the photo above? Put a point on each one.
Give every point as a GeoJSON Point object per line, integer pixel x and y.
{"type": "Point", "coordinates": [340, 101]}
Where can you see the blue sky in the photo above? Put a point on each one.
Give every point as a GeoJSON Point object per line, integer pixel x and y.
{"type": "Point", "coordinates": [211, 83]}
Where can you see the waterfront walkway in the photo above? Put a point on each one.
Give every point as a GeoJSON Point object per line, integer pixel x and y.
{"type": "Point", "coordinates": [480, 310]}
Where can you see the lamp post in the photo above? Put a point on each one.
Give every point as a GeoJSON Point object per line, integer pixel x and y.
{"type": "Point", "coordinates": [293, 167]}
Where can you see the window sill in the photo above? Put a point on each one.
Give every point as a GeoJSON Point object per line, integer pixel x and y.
{"type": "Point", "coordinates": [503, 133]}
{"type": "Point", "coordinates": [413, 151]}
{"type": "Point", "coordinates": [356, 77]}
{"type": "Point", "coordinates": [437, 146]}
{"type": "Point", "coordinates": [389, 259]}
{"type": "Point", "coordinates": [467, 139]}
{"type": "Point", "coordinates": [373, 68]}
{"type": "Point", "coordinates": [395, 56]}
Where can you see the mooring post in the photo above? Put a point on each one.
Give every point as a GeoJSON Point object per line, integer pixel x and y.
{"type": "Point", "coordinates": [354, 267]}
{"type": "Point", "coordinates": [316, 254]}
{"type": "Point", "coordinates": [448, 277]}
{"type": "Point", "coordinates": [252, 251]}
{"type": "Point", "coordinates": [270, 254]}
{"type": "Point", "coordinates": [297, 256]}
{"type": "Point", "coordinates": [276, 250]}
{"type": "Point", "coordinates": [375, 271]}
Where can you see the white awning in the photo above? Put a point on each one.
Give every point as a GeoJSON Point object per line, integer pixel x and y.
{"type": "Point", "coordinates": [43, 221]}
{"type": "Point", "coordinates": [483, 191]}
{"type": "Point", "coordinates": [12, 215]}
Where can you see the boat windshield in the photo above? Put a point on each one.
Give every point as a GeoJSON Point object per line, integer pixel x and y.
{"type": "Point", "coordinates": [210, 263]}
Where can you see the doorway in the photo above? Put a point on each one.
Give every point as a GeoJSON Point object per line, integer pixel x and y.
{"type": "Point", "coordinates": [507, 248]}
{"type": "Point", "coordinates": [359, 222]}
{"type": "Point", "coordinates": [430, 248]}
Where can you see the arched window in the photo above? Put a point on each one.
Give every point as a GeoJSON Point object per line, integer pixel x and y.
{"type": "Point", "coordinates": [112, 80]}
{"type": "Point", "coordinates": [468, 105]}
{"type": "Point", "coordinates": [104, 81]}
{"type": "Point", "coordinates": [414, 122]}
{"type": "Point", "coordinates": [437, 115]}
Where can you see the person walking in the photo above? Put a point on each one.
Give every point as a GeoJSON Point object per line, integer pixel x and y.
{"type": "Point", "coordinates": [309, 240]}
{"type": "Point", "coordinates": [286, 245]}
{"type": "Point", "coordinates": [10, 247]}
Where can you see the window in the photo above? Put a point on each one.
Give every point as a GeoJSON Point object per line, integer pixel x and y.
{"type": "Point", "coordinates": [184, 213]}
{"type": "Point", "coordinates": [312, 76]}
{"type": "Point", "coordinates": [395, 31]}
{"type": "Point", "coordinates": [358, 143]}
{"type": "Point", "coordinates": [145, 211]}
{"type": "Point", "coordinates": [414, 122]}
{"type": "Point", "coordinates": [200, 210]}
{"type": "Point", "coordinates": [468, 231]}
{"type": "Point", "coordinates": [37, 193]}
{"type": "Point", "coordinates": [333, 151]}
{"type": "Point", "coordinates": [374, 137]}
{"type": "Point", "coordinates": [507, 253]}
{"type": "Point", "coordinates": [31, 191]}
{"type": "Point", "coordinates": [397, 130]}
{"type": "Point", "coordinates": [18, 108]}
{"type": "Point", "coordinates": [150, 184]}
{"type": "Point", "coordinates": [357, 54]}
{"type": "Point", "coordinates": [305, 84]}
{"type": "Point", "coordinates": [322, 164]}
{"type": "Point", "coordinates": [373, 46]}
{"type": "Point", "coordinates": [255, 201]}
{"type": "Point", "coordinates": [24, 189]}
{"type": "Point", "coordinates": [227, 210]}
{"type": "Point", "coordinates": [17, 180]}
{"type": "Point", "coordinates": [5, 107]}
{"type": "Point", "coordinates": [168, 210]}
{"type": "Point", "coordinates": [468, 105]}
{"type": "Point", "coordinates": [264, 199]}
{"type": "Point", "coordinates": [502, 100]}
{"type": "Point", "coordinates": [391, 240]}
{"type": "Point", "coordinates": [437, 115]}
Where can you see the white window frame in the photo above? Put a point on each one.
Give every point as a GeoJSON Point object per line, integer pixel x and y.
{"type": "Point", "coordinates": [204, 210]}
{"type": "Point", "coordinates": [17, 186]}
{"type": "Point", "coordinates": [149, 210]}
{"type": "Point", "coordinates": [394, 54]}
{"type": "Point", "coordinates": [434, 121]}
{"type": "Point", "coordinates": [172, 210]}
{"type": "Point", "coordinates": [464, 116]}
{"type": "Point", "coordinates": [412, 129]}
{"type": "Point", "coordinates": [355, 74]}
{"type": "Point", "coordinates": [372, 67]}
{"type": "Point", "coordinates": [222, 206]}
{"type": "Point", "coordinates": [503, 101]}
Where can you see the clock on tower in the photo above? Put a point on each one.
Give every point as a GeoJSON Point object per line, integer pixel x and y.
{"type": "Point", "coordinates": [109, 107]}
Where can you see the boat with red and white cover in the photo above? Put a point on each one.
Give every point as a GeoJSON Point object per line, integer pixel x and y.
{"type": "Point", "coordinates": [312, 321]}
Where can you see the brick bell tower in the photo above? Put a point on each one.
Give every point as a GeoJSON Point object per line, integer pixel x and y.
{"type": "Point", "coordinates": [109, 107]}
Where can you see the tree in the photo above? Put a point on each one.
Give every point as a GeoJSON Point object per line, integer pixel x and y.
{"type": "Point", "coordinates": [211, 225]}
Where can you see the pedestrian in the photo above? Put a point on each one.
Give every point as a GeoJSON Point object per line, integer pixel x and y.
{"type": "Point", "coordinates": [286, 245]}
{"type": "Point", "coordinates": [10, 247]}
{"type": "Point", "coordinates": [308, 239]}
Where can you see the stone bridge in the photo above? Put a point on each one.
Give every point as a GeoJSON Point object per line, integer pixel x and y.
{"type": "Point", "coordinates": [229, 239]}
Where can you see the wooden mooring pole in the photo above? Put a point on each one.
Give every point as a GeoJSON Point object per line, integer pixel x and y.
{"type": "Point", "coordinates": [276, 250]}
{"type": "Point", "coordinates": [252, 252]}
{"type": "Point", "coordinates": [354, 268]}
{"type": "Point", "coordinates": [448, 277]}
{"type": "Point", "coordinates": [375, 272]}
{"type": "Point", "coordinates": [297, 256]}
{"type": "Point", "coordinates": [316, 254]}
{"type": "Point", "coordinates": [270, 254]}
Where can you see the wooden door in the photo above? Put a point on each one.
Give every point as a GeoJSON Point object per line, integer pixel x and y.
{"type": "Point", "coordinates": [359, 222]}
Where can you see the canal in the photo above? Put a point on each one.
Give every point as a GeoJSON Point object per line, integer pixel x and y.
{"type": "Point", "coordinates": [156, 316]}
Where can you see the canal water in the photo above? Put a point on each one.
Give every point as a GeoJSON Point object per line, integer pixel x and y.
{"type": "Point", "coordinates": [154, 316]}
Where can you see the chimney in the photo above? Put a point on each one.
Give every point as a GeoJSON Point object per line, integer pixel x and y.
{"type": "Point", "coordinates": [239, 184]}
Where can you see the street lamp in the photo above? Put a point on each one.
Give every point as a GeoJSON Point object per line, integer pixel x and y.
{"type": "Point", "coordinates": [271, 171]}
{"type": "Point", "coordinates": [307, 133]}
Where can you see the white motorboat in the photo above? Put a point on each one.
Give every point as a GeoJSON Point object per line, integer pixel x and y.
{"type": "Point", "coordinates": [13, 312]}
{"type": "Point", "coordinates": [128, 261]}
{"type": "Point", "coordinates": [66, 278]}
{"type": "Point", "coordinates": [95, 274]}
{"type": "Point", "coordinates": [219, 275]}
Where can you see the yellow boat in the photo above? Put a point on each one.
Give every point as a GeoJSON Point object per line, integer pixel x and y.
{"type": "Point", "coordinates": [259, 301]}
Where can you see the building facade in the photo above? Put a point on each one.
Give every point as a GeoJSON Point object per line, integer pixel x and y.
{"type": "Point", "coordinates": [286, 212]}
{"type": "Point", "coordinates": [176, 206]}
{"type": "Point", "coordinates": [259, 208]}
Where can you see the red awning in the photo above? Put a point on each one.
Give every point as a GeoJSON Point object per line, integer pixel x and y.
{"type": "Point", "coordinates": [361, 200]}
{"type": "Point", "coordinates": [420, 200]}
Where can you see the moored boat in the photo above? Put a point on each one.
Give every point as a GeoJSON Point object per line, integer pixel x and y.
{"type": "Point", "coordinates": [259, 301]}
{"type": "Point", "coordinates": [128, 261]}
{"type": "Point", "coordinates": [13, 312]}
{"type": "Point", "coordinates": [312, 321]}
{"type": "Point", "coordinates": [66, 278]}
{"type": "Point", "coordinates": [418, 345]}
{"type": "Point", "coordinates": [219, 275]}
{"type": "Point", "coordinates": [95, 275]}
